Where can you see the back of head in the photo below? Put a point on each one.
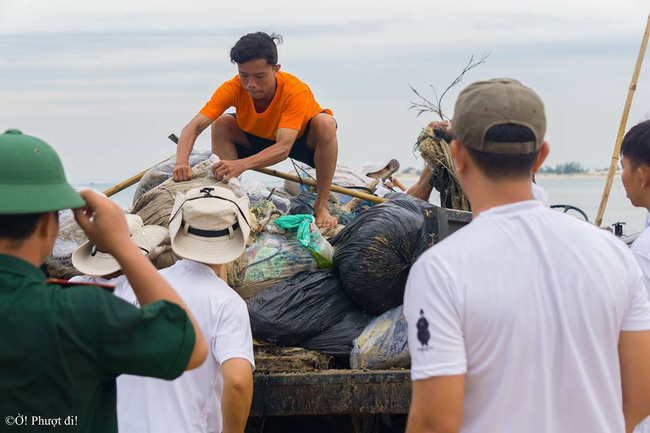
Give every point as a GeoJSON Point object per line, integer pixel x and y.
{"type": "Point", "coordinates": [502, 124]}
{"type": "Point", "coordinates": [636, 144]}
{"type": "Point", "coordinates": [32, 183]}
{"type": "Point", "coordinates": [254, 46]}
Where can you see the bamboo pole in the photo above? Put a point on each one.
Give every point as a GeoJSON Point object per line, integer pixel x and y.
{"type": "Point", "coordinates": [130, 181]}
{"type": "Point", "coordinates": [621, 128]}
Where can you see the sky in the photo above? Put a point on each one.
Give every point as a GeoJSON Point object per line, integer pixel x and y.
{"type": "Point", "coordinates": [106, 82]}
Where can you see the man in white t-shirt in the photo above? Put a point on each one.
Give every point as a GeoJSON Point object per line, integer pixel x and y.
{"type": "Point", "coordinates": [208, 228]}
{"type": "Point", "coordinates": [635, 151]}
{"type": "Point", "coordinates": [526, 320]}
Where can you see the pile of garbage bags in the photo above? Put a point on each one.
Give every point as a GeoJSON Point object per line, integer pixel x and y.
{"type": "Point", "coordinates": [338, 295]}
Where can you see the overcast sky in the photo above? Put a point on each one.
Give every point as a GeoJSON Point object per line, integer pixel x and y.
{"type": "Point", "coordinates": [106, 82]}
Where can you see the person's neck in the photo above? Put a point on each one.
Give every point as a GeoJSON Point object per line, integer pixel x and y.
{"type": "Point", "coordinates": [485, 193]}
{"type": "Point", "coordinates": [263, 103]}
{"type": "Point", "coordinates": [646, 201]}
{"type": "Point", "coordinates": [24, 252]}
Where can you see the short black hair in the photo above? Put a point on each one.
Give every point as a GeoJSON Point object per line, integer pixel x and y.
{"type": "Point", "coordinates": [636, 144]}
{"type": "Point", "coordinates": [17, 228]}
{"type": "Point", "coordinates": [258, 45]}
{"type": "Point", "coordinates": [501, 165]}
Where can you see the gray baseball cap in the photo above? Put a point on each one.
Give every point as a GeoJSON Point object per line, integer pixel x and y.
{"type": "Point", "coordinates": [485, 104]}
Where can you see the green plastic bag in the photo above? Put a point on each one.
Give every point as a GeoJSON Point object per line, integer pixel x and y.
{"type": "Point", "coordinates": [307, 233]}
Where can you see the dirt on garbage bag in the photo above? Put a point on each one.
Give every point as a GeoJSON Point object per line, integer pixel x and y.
{"type": "Point", "coordinates": [337, 340]}
{"type": "Point", "coordinates": [383, 344]}
{"type": "Point", "coordinates": [298, 308]}
{"type": "Point", "coordinates": [374, 253]}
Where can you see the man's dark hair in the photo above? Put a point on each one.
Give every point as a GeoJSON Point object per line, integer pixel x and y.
{"type": "Point", "coordinates": [501, 165]}
{"type": "Point", "coordinates": [17, 228]}
{"type": "Point", "coordinates": [255, 46]}
{"type": "Point", "coordinates": [636, 144]}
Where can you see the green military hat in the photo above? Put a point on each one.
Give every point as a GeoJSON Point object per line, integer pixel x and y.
{"type": "Point", "coordinates": [31, 177]}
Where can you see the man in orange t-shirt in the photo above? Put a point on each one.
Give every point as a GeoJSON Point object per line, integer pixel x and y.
{"type": "Point", "coordinates": [276, 117]}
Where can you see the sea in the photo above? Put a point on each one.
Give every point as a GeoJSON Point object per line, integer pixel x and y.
{"type": "Point", "coordinates": [582, 192]}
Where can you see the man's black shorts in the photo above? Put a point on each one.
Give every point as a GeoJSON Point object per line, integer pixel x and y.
{"type": "Point", "coordinates": [299, 151]}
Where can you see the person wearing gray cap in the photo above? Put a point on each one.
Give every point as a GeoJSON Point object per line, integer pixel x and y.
{"type": "Point", "coordinates": [526, 320]}
{"type": "Point", "coordinates": [62, 346]}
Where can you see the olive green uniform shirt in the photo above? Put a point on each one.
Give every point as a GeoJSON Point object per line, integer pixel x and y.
{"type": "Point", "coordinates": [62, 348]}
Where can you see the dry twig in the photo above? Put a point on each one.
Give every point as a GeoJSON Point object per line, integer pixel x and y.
{"type": "Point", "coordinates": [427, 106]}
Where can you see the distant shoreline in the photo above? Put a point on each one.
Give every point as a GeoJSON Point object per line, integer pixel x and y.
{"type": "Point", "coordinates": [587, 175]}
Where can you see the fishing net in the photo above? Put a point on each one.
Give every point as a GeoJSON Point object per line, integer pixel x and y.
{"type": "Point", "coordinates": [433, 144]}
{"type": "Point", "coordinates": [271, 259]}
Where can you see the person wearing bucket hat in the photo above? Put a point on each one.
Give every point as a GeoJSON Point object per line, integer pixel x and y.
{"type": "Point", "coordinates": [62, 347]}
{"type": "Point", "coordinates": [99, 267]}
{"type": "Point", "coordinates": [525, 320]}
{"type": "Point", "coordinates": [208, 227]}
{"type": "Point", "coordinates": [91, 261]}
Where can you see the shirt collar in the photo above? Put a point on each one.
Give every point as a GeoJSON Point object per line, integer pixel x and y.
{"type": "Point", "coordinates": [194, 266]}
{"type": "Point", "coordinates": [16, 266]}
{"type": "Point", "coordinates": [512, 208]}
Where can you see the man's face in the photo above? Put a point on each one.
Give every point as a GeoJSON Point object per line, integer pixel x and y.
{"type": "Point", "coordinates": [258, 78]}
{"type": "Point", "coordinates": [631, 181]}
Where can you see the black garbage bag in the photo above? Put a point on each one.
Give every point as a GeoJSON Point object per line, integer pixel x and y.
{"type": "Point", "coordinates": [302, 203]}
{"type": "Point", "coordinates": [298, 308]}
{"type": "Point", "coordinates": [337, 340]}
{"type": "Point", "coordinates": [374, 253]}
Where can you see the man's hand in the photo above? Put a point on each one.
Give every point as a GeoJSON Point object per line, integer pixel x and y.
{"type": "Point", "coordinates": [182, 172]}
{"type": "Point", "coordinates": [445, 126]}
{"type": "Point", "coordinates": [226, 170]}
{"type": "Point", "coordinates": [103, 221]}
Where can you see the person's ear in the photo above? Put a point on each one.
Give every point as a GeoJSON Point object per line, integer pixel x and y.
{"type": "Point", "coordinates": [643, 173]}
{"type": "Point", "coordinates": [48, 225]}
{"type": "Point", "coordinates": [541, 157]}
{"type": "Point", "coordinates": [276, 68]}
{"type": "Point", "coordinates": [460, 155]}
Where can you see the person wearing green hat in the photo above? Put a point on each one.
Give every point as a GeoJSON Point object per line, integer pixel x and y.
{"type": "Point", "coordinates": [61, 348]}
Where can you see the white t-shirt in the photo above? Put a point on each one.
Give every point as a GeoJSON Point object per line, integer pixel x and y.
{"type": "Point", "coordinates": [540, 194]}
{"type": "Point", "coordinates": [641, 250]}
{"type": "Point", "coordinates": [191, 403]}
{"type": "Point", "coordinates": [118, 282]}
{"type": "Point", "coordinates": [528, 304]}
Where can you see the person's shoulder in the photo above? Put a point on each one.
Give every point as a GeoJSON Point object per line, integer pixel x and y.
{"type": "Point", "coordinates": [292, 84]}
{"type": "Point", "coordinates": [85, 298]}
{"type": "Point", "coordinates": [642, 243]}
{"type": "Point", "coordinates": [232, 84]}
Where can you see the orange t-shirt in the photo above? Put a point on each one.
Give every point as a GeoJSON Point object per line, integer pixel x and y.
{"type": "Point", "coordinates": [292, 107]}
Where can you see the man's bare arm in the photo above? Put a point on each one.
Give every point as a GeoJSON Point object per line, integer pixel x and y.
{"type": "Point", "coordinates": [634, 355]}
{"type": "Point", "coordinates": [104, 223]}
{"type": "Point", "coordinates": [237, 394]}
{"type": "Point", "coordinates": [278, 152]}
{"type": "Point", "coordinates": [437, 405]}
{"type": "Point", "coordinates": [192, 130]}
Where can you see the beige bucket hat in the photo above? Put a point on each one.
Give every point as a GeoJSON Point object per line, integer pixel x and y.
{"type": "Point", "coordinates": [91, 261]}
{"type": "Point", "coordinates": [209, 225]}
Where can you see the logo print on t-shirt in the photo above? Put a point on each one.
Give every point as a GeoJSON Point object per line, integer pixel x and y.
{"type": "Point", "coordinates": [423, 331]}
